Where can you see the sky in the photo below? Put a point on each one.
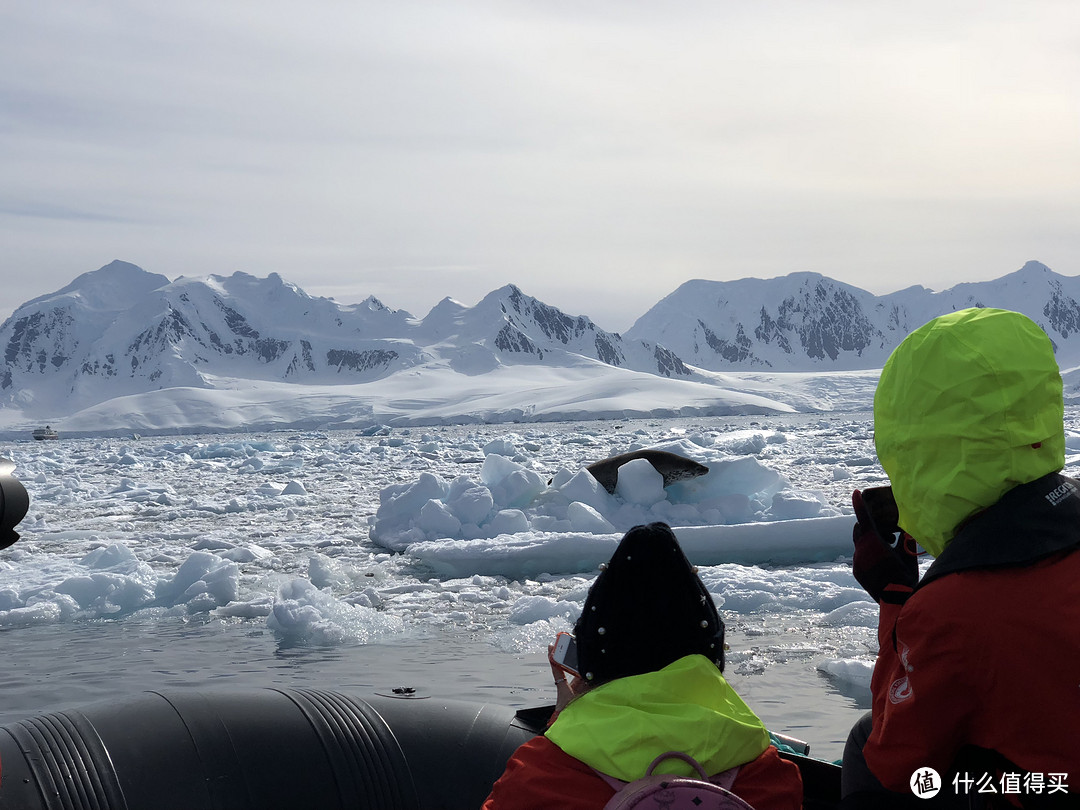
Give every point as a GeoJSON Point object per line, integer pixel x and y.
{"type": "Point", "coordinates": [596, 154]}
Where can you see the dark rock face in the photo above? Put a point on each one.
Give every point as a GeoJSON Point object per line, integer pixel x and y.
{"type": "Point", "coordinates": [1062, 313]}
{"type": "Point", "coordinates": [345, 360]}
{"type": "Point", "coordinates": [533, 327]}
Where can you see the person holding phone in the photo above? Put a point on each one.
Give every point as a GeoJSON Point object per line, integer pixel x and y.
{"type": "Point", "coordinates": [649, 679]}
{"type": "Point", "coordinates": [978, 669]}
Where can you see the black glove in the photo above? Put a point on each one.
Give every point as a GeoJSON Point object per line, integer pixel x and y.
{"type": "Point", "coordinates": [881, 558]}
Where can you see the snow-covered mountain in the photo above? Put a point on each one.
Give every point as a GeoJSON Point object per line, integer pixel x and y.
{"type": "Point", "coordinates": [121, 330]}
{"type": "Point", "coordinates": [806, 321]}
{"type": "Point", "coordinates": [121, 349]}
{"type": "Point", "coordinates": [509, 325]}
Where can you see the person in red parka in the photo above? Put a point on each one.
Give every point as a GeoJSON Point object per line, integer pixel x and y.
{"type": "Point", "coordinates": [651, 656]}
{"type": "Point", "coordinates": [976, 689]}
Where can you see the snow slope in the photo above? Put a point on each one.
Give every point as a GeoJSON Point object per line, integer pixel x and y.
{"type": "Point", "coordinates": [121, 350]}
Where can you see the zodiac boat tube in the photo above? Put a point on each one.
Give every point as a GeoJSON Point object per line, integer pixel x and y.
{"type": "Point", "coordinates": [264, 749]}
{"type": "Point", "coordinates": [259, 748]}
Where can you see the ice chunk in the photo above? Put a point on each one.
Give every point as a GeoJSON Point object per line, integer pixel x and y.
{"type": "Point", "coordinates": [583, 518]}
{"type": "Point", "coordinates": [436, 520]}
{"type": "Point", "coordinates": [399, 505]}
{"type": "Point", "coordinates": [302, 612]}
{"type": "Point", "coordinates": [294, 488]}
{"type": "Point", "coordinates": [529, 609]}
{"type": "Point", "coordinates": [639, 483]}
{"type": "Point", "coordinates": [511, 484]}
{"type": "Point", "coordinates": [795, 504]}
{"type": "Point", "coordinates": [519, 489]}
{"type": "Point", "coordinates": [202, 572]}
{"type": "Point", "coordinates": [325, 572]}
{"type": "Point", "coordinates": [852, 670]}
{"type": "Point", "coordinates": [469, 502]}
{"type": "Point", "coordinates": [507, 521]}
{"type": "Point", "coordinates": [586, 489]}
{"type": "Point", "coordinates": [500, 447]}
{"type": "Point", "coordinates": [40, 613]}
{"type": "Point", "coordinates": [106, 593]}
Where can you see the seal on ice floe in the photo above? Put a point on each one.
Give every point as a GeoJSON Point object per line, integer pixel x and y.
{"type": "Point", "coordinates": [670, 465]}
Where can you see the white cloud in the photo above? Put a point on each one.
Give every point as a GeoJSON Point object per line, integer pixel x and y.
{"type": "Point", "coordinates": [597, 155]}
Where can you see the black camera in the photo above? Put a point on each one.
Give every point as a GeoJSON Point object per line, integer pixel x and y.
{"type": "Point", "coordinates": [881, 504]}
{"type": "Point", "coordinates": [14, 501]}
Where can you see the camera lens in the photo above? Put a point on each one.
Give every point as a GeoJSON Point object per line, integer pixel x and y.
{"type": "Point", "coordinates": [14, 501]}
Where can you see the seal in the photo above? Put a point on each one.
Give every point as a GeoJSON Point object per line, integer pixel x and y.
{"type": "Point", "coordinates": [671, 466]}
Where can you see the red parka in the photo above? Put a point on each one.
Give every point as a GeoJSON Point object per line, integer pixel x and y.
{"type": "Point", "coordinates": [540, 775]}
{"type": "Point", "coordinates": [619, 727]}
{"type": "Point", "coordinates": [986, 651]}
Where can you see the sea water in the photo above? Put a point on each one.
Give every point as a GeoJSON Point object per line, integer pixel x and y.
{"type": "Point", "coordinates": [237, 560]}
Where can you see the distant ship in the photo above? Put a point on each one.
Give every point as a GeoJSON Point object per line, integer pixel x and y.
{"type": "Point", "coordinates": [45, 433]}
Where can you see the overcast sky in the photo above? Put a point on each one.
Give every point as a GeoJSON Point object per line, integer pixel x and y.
{"type": "Point", "coordinates": [597, 154]}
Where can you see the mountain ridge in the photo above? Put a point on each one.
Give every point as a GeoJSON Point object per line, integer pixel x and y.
{"type": "Point", "coordinates": [809, 322]}
{"type": "Point", "coordinates": [122, 331]}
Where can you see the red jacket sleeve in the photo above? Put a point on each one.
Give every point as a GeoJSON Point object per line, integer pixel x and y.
{"type": "Point", "coordinates": [921, 696]}
{"type": "Point", "coordinates": [540, 775]}
{"type": "Point", "coordinates": [770, 782]}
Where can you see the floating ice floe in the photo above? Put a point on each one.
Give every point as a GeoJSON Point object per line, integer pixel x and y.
{"type": "Point", "coordinates": [514, 523]}
{"type": "Point", "coordinates": [302, 612]}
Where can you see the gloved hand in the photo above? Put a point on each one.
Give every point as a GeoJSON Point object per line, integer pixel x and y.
{"type": "Point", "coordinates": [881, 559]}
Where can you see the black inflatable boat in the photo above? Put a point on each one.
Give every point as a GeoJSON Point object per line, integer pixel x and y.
{"type": "Point", "coordinates": [263, 749]}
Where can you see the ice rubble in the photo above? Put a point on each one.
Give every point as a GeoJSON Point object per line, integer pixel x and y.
{"type": "Point", "coordinates": [512, 522]}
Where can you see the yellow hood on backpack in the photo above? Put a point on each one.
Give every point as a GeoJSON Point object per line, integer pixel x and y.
{"type": "Point", "coordinates": [967, 407]}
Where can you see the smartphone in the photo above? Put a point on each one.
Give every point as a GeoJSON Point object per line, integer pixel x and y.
{"type": "Point", "coordinates": [564, 655]}
{"type": "Point", "coordinates": [882, 507]}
